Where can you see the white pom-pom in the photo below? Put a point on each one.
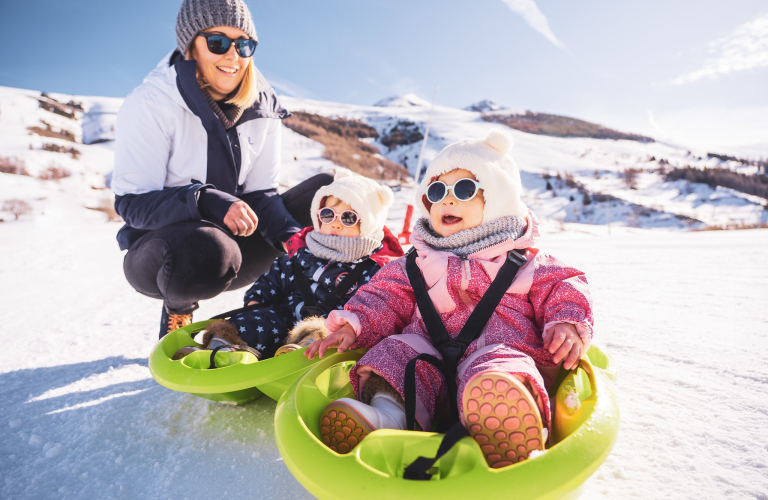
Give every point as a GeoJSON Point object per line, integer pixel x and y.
{"type": "Point", "coordinates": [342, 172]}
{"type": "Point", "coordinates": [386, 196]}
{"type": "Point", "coordinates": [500, 140]}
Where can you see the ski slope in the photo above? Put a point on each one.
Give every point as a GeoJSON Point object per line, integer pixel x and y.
{"type": "Point", "coordinates": [681, 312]}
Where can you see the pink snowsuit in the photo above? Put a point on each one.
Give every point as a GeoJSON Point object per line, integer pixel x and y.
{"type": "Point", "coordinates": [386, 320]}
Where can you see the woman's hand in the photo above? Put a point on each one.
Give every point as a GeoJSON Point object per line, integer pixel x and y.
{"type": "Point", "coordinates": [563, 340]}
{"type": "Point", "coordinates": [240, 219]}
{"type": "Point", "coordinates": [343, 338]}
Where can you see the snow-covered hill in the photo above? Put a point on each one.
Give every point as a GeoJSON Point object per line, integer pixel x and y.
{"type": "Point", "coordinates": [556, 172]}
{"type": "Point", "coordinates": [484, 106]}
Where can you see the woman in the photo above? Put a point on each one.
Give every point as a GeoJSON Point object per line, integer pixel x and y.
{"type": "Point", "coordinates": [197, 164]}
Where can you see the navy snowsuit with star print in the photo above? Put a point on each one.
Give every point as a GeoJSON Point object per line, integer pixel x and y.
{"type": "Point", "coordinates": [266, 328]}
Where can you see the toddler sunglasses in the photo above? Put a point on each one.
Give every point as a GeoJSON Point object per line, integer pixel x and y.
{"type": "Point", "coordinates": [348, 217]}
{"type": "Point", "coordinates": [463, 190]}
{"type": "Point", "coordinates": [220, 44]}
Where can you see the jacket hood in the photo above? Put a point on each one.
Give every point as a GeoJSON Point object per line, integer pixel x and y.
{"type": "Point", "coordinates": [390, 247]}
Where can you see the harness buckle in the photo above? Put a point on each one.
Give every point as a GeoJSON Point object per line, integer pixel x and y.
{"type": "Point", "coordinates": [519, 259]}
{"type": "Point", "coordinates": [452, 351]}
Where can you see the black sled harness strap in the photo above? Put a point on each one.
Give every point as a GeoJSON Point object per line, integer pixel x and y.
{"type": "Point", "coordinates": [311, 307]}
{"type": "Point", "coordinates": [451, 349]}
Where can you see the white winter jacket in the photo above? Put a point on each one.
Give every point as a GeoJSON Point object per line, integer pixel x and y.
{"type": "Point", "coordinates": [170, 145]}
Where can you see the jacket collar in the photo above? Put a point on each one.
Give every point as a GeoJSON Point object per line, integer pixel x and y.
{"type": "Point", "coordinates": [165, 74]}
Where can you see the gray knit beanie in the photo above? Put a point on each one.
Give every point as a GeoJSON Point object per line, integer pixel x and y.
{"type": "Point", "coordinates": [198, 15]}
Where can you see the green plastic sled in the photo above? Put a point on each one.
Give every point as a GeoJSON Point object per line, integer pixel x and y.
{"type": "Point", "coordinates": [239, 377]}
{"type": "Point", "coordinates": [583, 439]}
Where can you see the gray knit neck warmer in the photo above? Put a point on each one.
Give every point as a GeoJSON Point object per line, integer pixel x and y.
{"type": "Point", "coordinates": [229, 114]}
{"type": "Point", "coordinates": [469, 241]}
{"type": "Point", "coordinates": [343, 248]}
{"type": "Point", "coordinates": [198, 15]}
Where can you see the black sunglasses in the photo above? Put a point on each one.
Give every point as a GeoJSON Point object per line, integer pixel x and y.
{"type": "Point", "coordinates": [220, 44]}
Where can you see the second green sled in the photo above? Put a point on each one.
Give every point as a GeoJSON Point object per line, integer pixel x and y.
{"type": "Point", "coordinates": [239, 377]}
{"type": "Point", "coordinates": [582, 438]}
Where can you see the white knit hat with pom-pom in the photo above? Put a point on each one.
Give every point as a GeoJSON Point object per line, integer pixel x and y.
{"type": "Point", "coordinates": [367, 197]}
{"type": "Point", "coordinates": [493, 167]}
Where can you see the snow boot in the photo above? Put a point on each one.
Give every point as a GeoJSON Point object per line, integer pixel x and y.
{"type": "Point", "coordinates": [304, 333]}
{"type": "Point", "coordinates": [170, 322]}
{"type": "Point", "coordinates": [221, 332]}
{"type": "Point", "coordinates": [345, 422]}
{"type": "Point", "coordinates": [217, 333]}
{"type": "Point", "coordinates": [502, 416]}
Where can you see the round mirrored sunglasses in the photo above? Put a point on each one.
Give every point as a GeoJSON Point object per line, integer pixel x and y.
{"type": "Point", "coordinates": [463, 190]}
{"type": "Point", "coordinates": [348, 217]}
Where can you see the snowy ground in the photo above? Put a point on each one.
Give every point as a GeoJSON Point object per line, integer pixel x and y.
{"type": "Point", "coordinates": [682, 313]}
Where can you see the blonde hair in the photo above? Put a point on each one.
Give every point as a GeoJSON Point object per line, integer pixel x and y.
{"type": "Point", "coordinates": [247, 93]}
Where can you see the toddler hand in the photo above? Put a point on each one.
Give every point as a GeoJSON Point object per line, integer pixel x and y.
{"type": "Point", "coordinates": [563, 340]}
{"type": "Point", "coordinates": [343, 338]}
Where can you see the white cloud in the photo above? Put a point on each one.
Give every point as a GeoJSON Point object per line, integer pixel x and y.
{"type": "Point", "coordinates": [745, 48]}
{"type": "Point", "coordinates": [534, 17]}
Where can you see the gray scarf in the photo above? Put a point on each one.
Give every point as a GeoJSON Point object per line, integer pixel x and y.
{"type": "Point", "coordinates": [343, 248]}
{"type": "Point", "coordinates": [228, 114]}
{"type": "Point", "coordinates": [469, 241]}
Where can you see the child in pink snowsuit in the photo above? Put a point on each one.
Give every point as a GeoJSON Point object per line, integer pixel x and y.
{"type": "Point", "coordinates": [473, 216]}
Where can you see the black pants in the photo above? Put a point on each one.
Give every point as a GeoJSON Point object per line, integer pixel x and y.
{"type": "Point", "coordinates": [191, 261]}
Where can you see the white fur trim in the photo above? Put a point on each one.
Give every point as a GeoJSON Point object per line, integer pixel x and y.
{"type": "Point", "coordinates": [367, 197]}
{"type": "Point", "coordinates": [490, 162]}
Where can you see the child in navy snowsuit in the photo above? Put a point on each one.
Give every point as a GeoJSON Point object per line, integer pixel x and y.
{"type": "Point", "coordinates": [348, 239]}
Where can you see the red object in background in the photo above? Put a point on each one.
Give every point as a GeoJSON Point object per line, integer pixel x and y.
{"type": "Point", "coordinates": [405, 236]}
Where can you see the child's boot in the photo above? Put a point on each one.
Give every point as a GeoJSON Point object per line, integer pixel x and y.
{"type": "Point", "coordinates": [304, 333]}
{"type": "Point", "coordinates": [502, 416]}
{"type": "Point", "coordinates": [345, 422]}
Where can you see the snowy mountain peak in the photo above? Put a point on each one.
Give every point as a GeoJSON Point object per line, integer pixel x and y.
{"type": "Point", "coordinates": [484, 106]}
{"type": "Point", "coordinates": [402, 101]}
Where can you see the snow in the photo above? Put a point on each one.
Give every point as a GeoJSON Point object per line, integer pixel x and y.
{"type": "Point", "coordinates": [682, 313]}
{"type": "Point", "coordinates": [572, 402]}
{"type": "Point", "coordinates": [484, 106]}
{"type": "Point", "coordinates": [402, 101]}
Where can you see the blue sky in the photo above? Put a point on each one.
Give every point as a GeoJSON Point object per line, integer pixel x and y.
{"type": "Point", "coordinates": [690, 71]}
